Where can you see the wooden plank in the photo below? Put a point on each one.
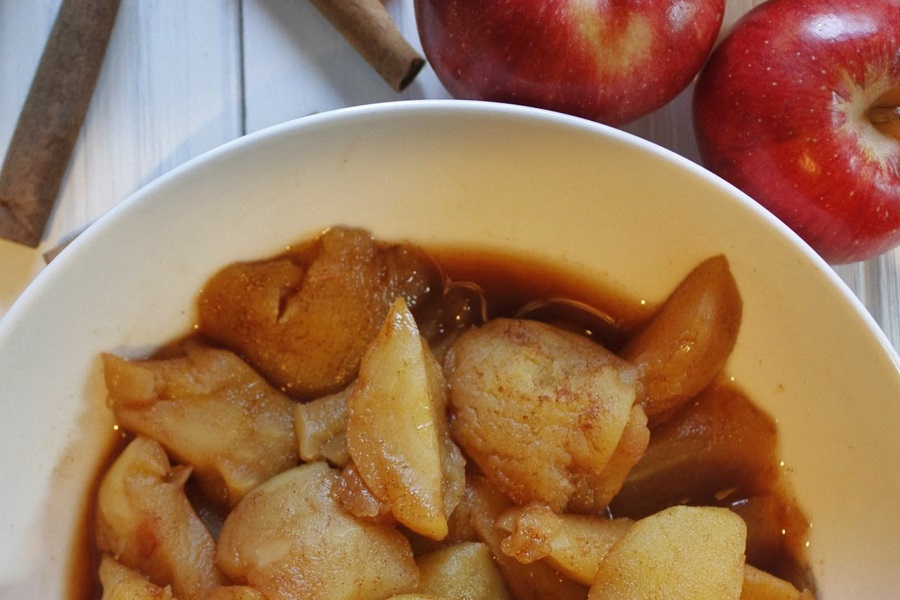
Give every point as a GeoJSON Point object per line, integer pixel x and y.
{"type": "Point", "coordinates": [297, 64]}
{"type": "Point", "coordinates": [50, 121]}
{"type": "Point", "coordinates": [876, 282]}
{"type": "Point", "coordinates": [24, 28]}
{"type": "Point", "coordinates": [170, 89]}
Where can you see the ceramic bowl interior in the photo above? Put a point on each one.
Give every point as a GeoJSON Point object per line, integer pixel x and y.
{"type": "Point", "coordinates": [589, 198]}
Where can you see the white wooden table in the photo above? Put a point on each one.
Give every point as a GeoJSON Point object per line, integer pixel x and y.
{"type": "Point", "coordinates": [184, 76]}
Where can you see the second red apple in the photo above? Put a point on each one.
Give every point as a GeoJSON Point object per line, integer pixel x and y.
{"type": "Point", "coordinates": [611, 62]}
{"type": "Point", "coordinates": [799, 107]}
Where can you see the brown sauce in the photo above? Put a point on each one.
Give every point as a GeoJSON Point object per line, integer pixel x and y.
{"type": "Point", "coordinates": [778, 528]}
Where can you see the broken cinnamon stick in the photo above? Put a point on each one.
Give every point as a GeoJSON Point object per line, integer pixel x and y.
{"type": "Point", "coordinates": [369, 28]}
{"type": "Point", "coordinates": [51, 119]}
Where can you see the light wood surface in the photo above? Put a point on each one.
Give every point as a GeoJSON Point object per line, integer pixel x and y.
{"type": "Point", "coordinates": [184, 76]}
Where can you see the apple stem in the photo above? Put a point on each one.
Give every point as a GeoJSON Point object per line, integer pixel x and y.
{"type": "Point", "coordinates": [886, 119]}
{"type": "Point", "coordinates": [884, 114]}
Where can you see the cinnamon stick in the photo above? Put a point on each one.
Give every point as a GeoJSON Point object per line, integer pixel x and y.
{"type": "Point", "coordinates": [369, 28]}
{"type": "Point", "coordinates": [51, 119]}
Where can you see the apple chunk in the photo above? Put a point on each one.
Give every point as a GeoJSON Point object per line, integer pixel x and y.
{"type": "Point", "coordinates": [289, 538]}
{"type": "Point", "coordinates": [321, 427]}
{"type": "Point", "coordinates": [541, 411]}
{"type": "Point", "coordinates": [210, 410]}
{"type": "Point", "coordinates": [573, 544]}
{"type": "Point", "coordinates": [760, 585]}
{"type": "Point", "coordinates": [681, 552]}
{"type": "Point", "coordinates": [484, 504]}
{"type": "Point", "coordinates": [464, 570]}
{"type": "Point", "coordinates": [118, 581]}
{"type": "Point", "coordinates": [396, 426]}
{"type": "Point", "coordinates": [304, 318]}
{"type": "Point", "coordinates": [720, 446]}
{"type": "Point", "coordinates": [146, 522]}
{"type": "Point", "coordinates": [688, 340]}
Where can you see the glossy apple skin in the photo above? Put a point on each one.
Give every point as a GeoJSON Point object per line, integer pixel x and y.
{"type": "Point", "coordinates": [780, 112]}
{"type": "Point", "coordinates": [611, 62]}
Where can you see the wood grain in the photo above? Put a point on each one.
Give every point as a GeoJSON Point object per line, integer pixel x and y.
{"type": "Point", "coordinates": [51, 119]}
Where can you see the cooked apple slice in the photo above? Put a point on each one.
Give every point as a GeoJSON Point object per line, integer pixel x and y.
{"type": "Point", "coordinates": [483, 503]}
{"type": "Point", "coordinates": [464, 570]}
{"type": "Point", "coordinates": [760, 585]}
{"type": "Point", "coordinates": [209, 409]}
{"type": "Point", "coordinates": [540, 410]}
{"type": "Point", "coordinates": [232, 592]}
{"type": "Point", "coordinates": [688, 340]}
{"type": "Point", "coordinates": [321, 427]}
{"type": "Point", "coordinates": [718, 444]}
{"type": "Point", "coordinates": [573, 544]}
{"type": "Point", "coordinates": [305, 318]}
{"type": "Point", "coordinates": [121, 583]}
{"type": "Point", "coordinates": [289, 538]}
{"type": "Point", "coordinates": [145, 521]}
{"type": "Point", "coordinates": [690, 553]}
{"type": "Point", "coordinates": [357, 498]}
{"type": "Point", "coordinates": [396, 425]}
{"type": "Point", "coordinates": [630, 449]}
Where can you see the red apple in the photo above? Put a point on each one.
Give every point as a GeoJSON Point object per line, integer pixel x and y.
{"type": "Point", "coordinates": [798, 107]}
{"type": "Point", "coordinates": [609, 61]}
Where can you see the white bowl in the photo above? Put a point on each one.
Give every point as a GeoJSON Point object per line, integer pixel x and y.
{"type": "Point", "coordinates": [589, 197]}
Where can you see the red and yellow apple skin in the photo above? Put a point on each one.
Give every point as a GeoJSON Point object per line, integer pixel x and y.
{"type": "Point", "coordinates": [610, 61]}
{"type": "Point", "coordinates": [784, 110]}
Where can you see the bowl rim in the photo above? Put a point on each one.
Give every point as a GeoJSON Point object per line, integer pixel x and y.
{"type": "Point", "coordinates": [460, 107]}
